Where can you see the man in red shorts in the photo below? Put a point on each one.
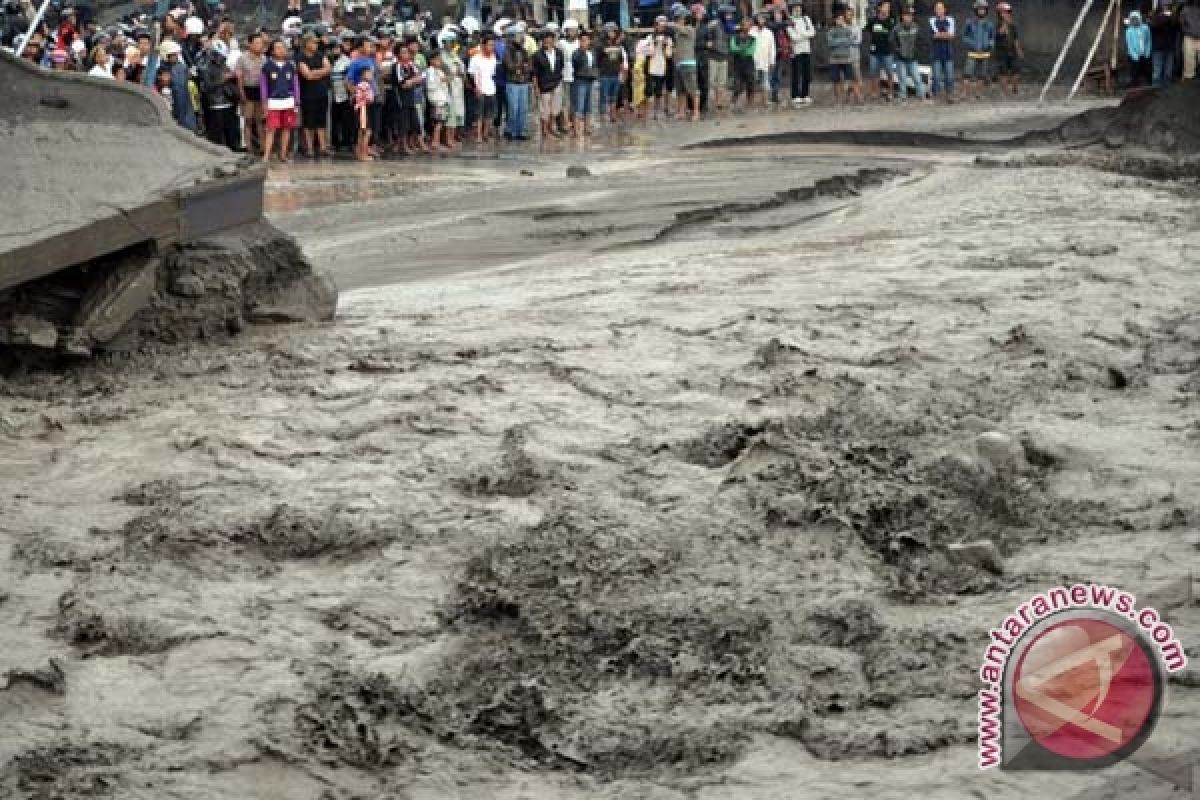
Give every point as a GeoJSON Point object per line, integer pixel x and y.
{"type": "Point", "coordinates": [280, 88]}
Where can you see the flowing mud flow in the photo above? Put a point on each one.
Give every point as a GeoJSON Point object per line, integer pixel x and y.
{"type": "Point", "coordinates": [650, 483]}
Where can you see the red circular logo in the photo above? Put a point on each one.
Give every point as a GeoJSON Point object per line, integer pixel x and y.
{"type": "Point", "coordinates": [1085, 688]}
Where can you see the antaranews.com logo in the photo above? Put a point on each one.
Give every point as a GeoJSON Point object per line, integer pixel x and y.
{"type": "Point", "coordinates": [1074, 679]}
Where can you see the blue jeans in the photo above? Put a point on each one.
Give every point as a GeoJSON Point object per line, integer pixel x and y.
{"type": "Point", "coordinates": [581, 97]}
{"type": "Point", "coordinates": [943, 76]}
{"type": "Point", "coordinates": [776, 80]}
{"type": "Point", "coordinates": [881, 63]}
{"type": "Point", "coordinates": [904, 71]}
{"type": "Point", "coordinates": [517, 95]}
{"type": "Point", "coordinates": [610, 89]}
{"type": "Point", "coordinates": [1164, 67]}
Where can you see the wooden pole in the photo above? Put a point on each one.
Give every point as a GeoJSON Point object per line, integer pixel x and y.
{"type": "Point", "coordinates": [1062, 56]}
{"type": "Point", "coordinates": [1116, 40]}
{"type": "Point", "coordinates": [1087, 62]}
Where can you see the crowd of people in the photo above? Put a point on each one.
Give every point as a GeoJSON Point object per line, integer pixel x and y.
{"type": "Point", "coordinates": [390, 82]}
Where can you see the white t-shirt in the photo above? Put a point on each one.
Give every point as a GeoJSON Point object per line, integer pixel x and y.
{"type": "Point", "coordinates": [483, 72]}
{"type": "Point", "coordinates": [99, 72]}
{"type": "Point", "coordinates": [568, 49]}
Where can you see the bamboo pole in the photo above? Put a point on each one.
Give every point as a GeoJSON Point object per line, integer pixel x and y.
{"type": "Point", "coordinates": [33, 26]}
{"type": "Point", "coordinates": [1087, 62]}
{"type": "Point", "coordinates": [1062, 56]}
{"type": "Point", "coordinates": [1116, 41]}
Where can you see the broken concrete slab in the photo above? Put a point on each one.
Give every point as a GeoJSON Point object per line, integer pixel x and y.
{"type": "Point", "coordinates": [110, 304]}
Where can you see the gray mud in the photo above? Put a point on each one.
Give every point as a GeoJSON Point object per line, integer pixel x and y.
{"type": "Point", "coordinates": [712, 516]}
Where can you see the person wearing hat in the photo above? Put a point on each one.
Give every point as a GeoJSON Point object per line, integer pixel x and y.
{"type": "Point", "coordinates": [714, 43]}
{"type": "Point", "coordinates": [801, 32]}
{"type": "Point", "coordinates": [1009, 52]}
{"type": "Point", "coordinates": [1137, 48]}
{"type": "Point", "coordinates": [941, 26]}
{"type": "Point", "coordinates": [518, 72]}
{"type": "Point", "coordinates": [315, 71]}
{"type": "Point", "coordinates": [904, 50]}
{"type": "Point", "coordinates": [547, 83]}
{"type": "Point", "coordinates": [181, 97]}
{"type": "Point", "coordinates": [979, 39]}
{"type": "Point", "coordinates": [568, 45]}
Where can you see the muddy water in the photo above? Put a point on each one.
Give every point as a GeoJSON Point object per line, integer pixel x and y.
{"type": "Point", "coordinates": [646, 493]}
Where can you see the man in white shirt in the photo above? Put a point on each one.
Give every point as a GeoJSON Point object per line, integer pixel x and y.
{"type": "Point", "coordinates": [567, 46]}
{"type": "Point", "coordinates": [764, 55]}
{"type": "Point", "coordinates": [482, 70]}
{"type": "Point", "coordinates": [801, 31]}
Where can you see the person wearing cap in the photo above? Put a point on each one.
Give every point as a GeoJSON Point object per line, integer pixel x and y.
{"type": "Point", "coordinates": [1137, 48]}
{"type": "Point", "coordinates": [800, 32]}
{"type": "Point", "coordinates": [979, 39]}
{"type": "Point", "coordinates": [518, 71]}
{"type": "Point", "coordinates": [686, 70]}
{"type": "Point", "coordinates": [657, 48]}
{"type": "Point", "coordinates": [714, 42]}
{"type": "Point", "coordinates": [248, 72]}
{"type": "Point", "coordinates": [181, 96]}
{"type": "Point", "coordinates": [941, 27]}
{"type": "Point", "coordinates": [547, 83]}
{"type": "Point", "coordinates": [482, 69]}
{"type": "Point", "coordinates": [1009, 52]}
{"type": "Point", "coordinates": [568, 45]}
{"type": "Point", "coordinates": [904, 38]}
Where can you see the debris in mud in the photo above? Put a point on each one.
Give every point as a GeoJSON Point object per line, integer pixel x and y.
{"type": "Point", "coordinates": [284, 533]}
{"type": "Point", "coordinates": [880, 734]}
{"type": "Point", "coordinates": [717, 446]}
{"type": "Point", "coordinates": [982, 554]}
{"type": "Point", "coordinates": [1093, 250]}
{"type": "Point", "coordinates": [63, 771]}
{"type": "Point", "coordinates": [514, 474]}
{"type": "Point", "coordinates": [159, 491]}
{"type": "Point", "coordinates": [100, 632]}
{"type": "Point", "coordinates": [362, 721]}
{"type": "Point", "coordinates": [847, 622]}
{"type": "Point", "coordinates": [50, 678]}
{"type": "Point", "coordinates": [577, 171]}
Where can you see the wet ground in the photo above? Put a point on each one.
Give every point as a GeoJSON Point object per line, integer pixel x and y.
{"type": "Point", "coordinates": [639, 485]}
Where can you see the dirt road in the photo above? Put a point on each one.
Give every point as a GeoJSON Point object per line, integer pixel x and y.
{"type": "Point", "coordinates": [657, 508]}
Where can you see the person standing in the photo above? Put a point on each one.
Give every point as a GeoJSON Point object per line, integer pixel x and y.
{"type": "Point", "coordinates": [1189, 24]}
{"type": "Point", "coordinates": [457, 71]}
{"type": "Point", "coordinates": [315, 70]}
{"type": "Point", "coordinates": [220, 101]}
{"type": "Point", "coordinates": [248, 72]}
{"type": "Point", "coordinates": [518, 71]}
{"type": "Point", "coordinates": [343, 121]}
{"type": "Point", "coordinates": [181, 96]}
{"type": "Point", "coordinates": [716, 50]}
{"type": "Point", "coordinates": [941, 27]}
{"type": "Point", "coordinates": [880, 58]}
{"type": "Point", "coordinates": [1164, 30]}
{"type": "Point", "coordinates": [657, 47]}
{"type": "Point", "coordinates": [741, 51]}
{"type": "Point", "coordinates": [101, 63]}
{"type": "Point", "coordinates": [1009, 52]}
{"type": "Point", "coordinates": [904, 51]}
{"type": "Point", "coordinates": [279, 88]}
{"type": "Point", "coordinates": [801, 32]}
{"type": "Point", "coordinates": [843, 55]}
{"type": "Point", "coordinates": [686, 72]}
{"type": "Point", "coordinates": [585, 68]}
{"type": "Point", "coordinates": [547, 82]}
{"type": "Point", "coordinates": [568, 45]}
{"type": "Point", "coordinates": [613, 65]}
{"type": "Point", "coordinates": [764, 57]}
{"type": "Point", "coordinates": [979, 38]}
{"type": "Point", "coordinates": [1137, 47]}
{"type": "Point", "coordinates": [482, 69]}
{"type": "Point", "coordinates": [364, 97]}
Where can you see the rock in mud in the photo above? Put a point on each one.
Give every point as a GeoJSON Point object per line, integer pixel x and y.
{"type": "Point", "coordinates": [981, 554]}
{"type": "Point", "coordinates": [577, 171]}
{"type": "Point", "coordinates": [1002, 451]}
